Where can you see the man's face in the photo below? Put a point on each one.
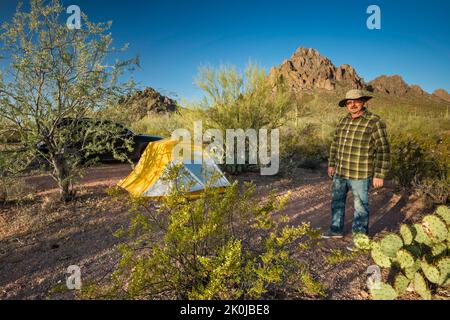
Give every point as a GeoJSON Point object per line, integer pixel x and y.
{"type": "Point", "coordinates": [355, 106]}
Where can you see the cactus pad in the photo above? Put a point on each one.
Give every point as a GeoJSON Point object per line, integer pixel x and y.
{"type": "Point", "coordinates": [420, 286]}
{"type": "Point", "coordinates": [361, 241]}
{"type": "Point", "coordinates": [431, 272]}
{"type": "Point", "coordinates": [435, 228]}
{"type": "Point", "coordinates": [390, 244]}
{"type": "Point", "coordinates": [421, 236]}
{"type": "Point", "coordinates": [405, 259]}
{"type": "Point", "coordinates": [401, 283]}
{"type": "Point", "coordinates": [383, 291]}
{"type": "Point", "coordinates": [444, 269]}
{"type": "Point", "coordinates": [379, 257]}
{"type": "Point", "coordinates": [407, 234]}
{"type": "Point", "coordinates": [438, 249]}
{"type": "Point", "coordinates": [444, 213]}
{"type": "Point", "coordinates": [411, 271]}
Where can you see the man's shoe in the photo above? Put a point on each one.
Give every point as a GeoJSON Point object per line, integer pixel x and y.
{"type": "Point", "coordinates": [332, 235]}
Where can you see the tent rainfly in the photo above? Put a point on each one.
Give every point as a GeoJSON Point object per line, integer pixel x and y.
{"type": "Point", "coordinates": [146, 180]}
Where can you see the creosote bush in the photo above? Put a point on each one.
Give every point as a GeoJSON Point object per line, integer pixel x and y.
{"type": "Point", "coordinates": [217, 246]}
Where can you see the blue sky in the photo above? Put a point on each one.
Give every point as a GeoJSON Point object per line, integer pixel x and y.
{"type": "Point", "coordinates": [174, 38]}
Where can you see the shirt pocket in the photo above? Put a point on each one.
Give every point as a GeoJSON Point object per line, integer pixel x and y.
{"type": "Point", "coordinates": [362, 135]}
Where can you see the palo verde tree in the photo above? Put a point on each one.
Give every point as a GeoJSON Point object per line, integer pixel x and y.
{"type": "Point", "coordinates": [248, 100]}
{"type": "Point", "coordinates": [56, 77]}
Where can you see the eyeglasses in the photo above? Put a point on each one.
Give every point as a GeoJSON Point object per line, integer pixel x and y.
{"type": "Point", "coordinates": [354, 102]}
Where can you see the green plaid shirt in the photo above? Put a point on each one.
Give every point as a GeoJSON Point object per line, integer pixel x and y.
{"type": "Point", "coordinates": [360, 148]}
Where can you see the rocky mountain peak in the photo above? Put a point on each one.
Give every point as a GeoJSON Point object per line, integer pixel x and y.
{"type": "Point", "coordinates": [143, 102]}
{"type": "Point", "coordinates": [307, 69]}
{"type": "Point", "coordinates": [395, 85]}
{"type": "Point", "coordinates": [389, 85]}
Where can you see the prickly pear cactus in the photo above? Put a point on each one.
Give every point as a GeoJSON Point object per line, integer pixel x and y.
{"type": "Point", "coordinates": [383, 291]}
{"type": "Point", "coordinates": [390, 244]}
{"type": "Point", "coordinates": [438, 249]}
{"type": "Point", "coordinates": [421, 287]}
{"type": "Point", "coordinates": [407, 234]}
{"type": "Point", "coordinates": [419, 257]}
{"type": "Point", "coordinates": [361, 241]}
{"type": "Point", "coordinates": [405, 259]}
{"type": "Point", "coordinates": [431, 272]}
{"type": "Point", "coordinates": [411, 271]}
{"type": "Point", "coordinates": [401, 283]}
{"type": "Point", "coordinates": [444, 269]}
{"type": "Point", "coordinates": [435, 228]}
{"type": "Point", "coordinates": [379, 257]}
{"type": "Point", "coordinates": [421, 236]}
{"type": "Point", "coordinates": [444, 213]}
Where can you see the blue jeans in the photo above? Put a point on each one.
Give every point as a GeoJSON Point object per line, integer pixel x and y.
{"type": "Point", "coordinates": [360, 189]}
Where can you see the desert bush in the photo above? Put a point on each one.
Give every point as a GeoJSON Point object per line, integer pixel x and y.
{"type": "Point", "coordinates": [418, 157]}
{"type": "Point", "coordinates": [163, 125]}
{"type": "Point", "coordinates": [246, 100]}
{"type": "Point", "coordinates": [418, 258]}
{"type": "Point", "coordinates": [13, 162]}
{"type": "Point", "coordinates": [303, 147]}
{"type": "Point", "coordinates": [218, 246]}
{"type": "Point", "coordinates": [436, 190]}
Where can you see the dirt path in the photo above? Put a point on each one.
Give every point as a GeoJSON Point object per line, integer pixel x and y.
{"type": "Point", "coordinates": [35, 254]}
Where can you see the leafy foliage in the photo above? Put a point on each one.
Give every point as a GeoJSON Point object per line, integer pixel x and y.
{"type": "Point", "coordinates": [219, 246]}
{"type": "Point", "coordinates": [54, 74]}
{"type": "Point", "coordinates": [417, 157]}
{"type": "Point", "coordinates": [242, 101]}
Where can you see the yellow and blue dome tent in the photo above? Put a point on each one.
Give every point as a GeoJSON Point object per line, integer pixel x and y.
{"type": "Point", "coordinates": [147, 178]}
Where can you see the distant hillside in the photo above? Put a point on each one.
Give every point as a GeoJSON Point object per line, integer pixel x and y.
{"type": "Point", "coordinates": [308, 72]}
{"type": "Point", "coordinates": [146, 101]}
{"type": "Point", "coordinates": [443, 94]}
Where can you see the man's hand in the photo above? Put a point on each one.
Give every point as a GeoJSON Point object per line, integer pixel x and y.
{"type": "Point", "coordinates": [331, 171]}
{"type": "Point", "coordinates": [378, 183]}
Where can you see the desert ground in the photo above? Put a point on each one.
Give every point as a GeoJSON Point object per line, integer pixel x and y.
{"type": "Point", "coordinates": [40, 238]}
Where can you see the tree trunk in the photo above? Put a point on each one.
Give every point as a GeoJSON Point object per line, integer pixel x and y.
{"type": "Point", "coordinates": [3, 194]}
{"type": "Point", "coordinates": [63, 178]}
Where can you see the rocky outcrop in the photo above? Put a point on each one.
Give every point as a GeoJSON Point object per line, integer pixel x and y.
{"type": "Point", "coordinates": [443, 94]}
{"type": "Point", "coordinates": [417, 90]}
{"type": "Point", "coordinates": [307, 70]}
{"type": "Point", "coordinates": [146, 101]}
{"type": "Point", "coordinates": [394, 85]}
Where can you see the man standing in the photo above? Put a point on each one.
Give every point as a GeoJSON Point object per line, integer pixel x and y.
{"type": "Point", "coordinates": [359, 157]}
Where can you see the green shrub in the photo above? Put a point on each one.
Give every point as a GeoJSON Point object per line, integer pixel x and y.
{"type": "Point", "coordinates": [436, 190]}
{"type": "Point", "coordinates": [219, 246]}
{"type": "Point", "coordinates": [417, 157]}
{"type": "Point", "coordinates": [164, 124]}
{"type": "Point", "coordinates": [303, 147]}
{"type": "Point", "coordinates": [245, 100]}
{"type": "Point", "coordinates": [418, 258]}
{"type": "Point", "coordinates": [12, 163]}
